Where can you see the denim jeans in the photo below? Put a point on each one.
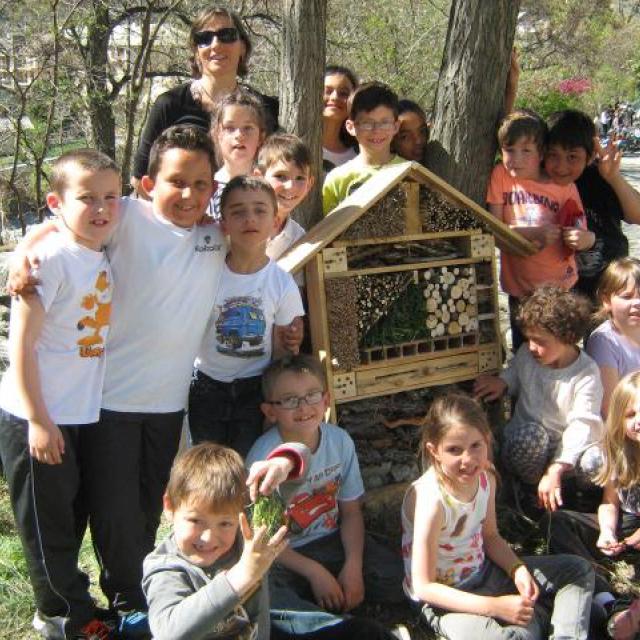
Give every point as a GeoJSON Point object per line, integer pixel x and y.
{"type": "Point", "coordinates": [293, 608]}
{"type": "Point", "coordinates": [566, 590]}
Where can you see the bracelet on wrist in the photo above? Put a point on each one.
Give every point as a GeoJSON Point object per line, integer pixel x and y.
{"type": "Point", "coordinates": [514, 567]}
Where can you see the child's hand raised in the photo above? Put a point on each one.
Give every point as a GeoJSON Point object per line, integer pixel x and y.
{"type": "Point", "coordinates": [514, 609]}
{"type": "Point", "coordinates": [326, 590]}
{"type": "Point", "coordinates": [257, 556]}
{"type": "Point", "coordinates": [609, 160]}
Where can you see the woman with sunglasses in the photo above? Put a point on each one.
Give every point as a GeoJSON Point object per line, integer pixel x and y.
{"type": "Point", "coordinates": [220, 49]}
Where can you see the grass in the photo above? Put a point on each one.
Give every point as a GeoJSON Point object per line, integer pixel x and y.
{"type": "Point", "coordinates": [16, 605]}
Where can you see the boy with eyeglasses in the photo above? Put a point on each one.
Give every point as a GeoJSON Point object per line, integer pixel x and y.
{"type": "Point", "coordinates": [373, 121]}
{"type": "Point", "coordinates": [330, 564]}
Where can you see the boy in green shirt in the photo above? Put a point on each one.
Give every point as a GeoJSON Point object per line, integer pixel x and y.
{"type": "Point", "coordinates": [373, 121]}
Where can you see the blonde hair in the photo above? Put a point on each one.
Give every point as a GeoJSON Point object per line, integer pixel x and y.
{"type": "Point", "coordinates": [209, 474]}
{"type": "Point", "coordinates": [614, 279]}
{"type": "Point", "coordinates": [446, 412]}
{"type": "Point", "coordinates": [621, 454]}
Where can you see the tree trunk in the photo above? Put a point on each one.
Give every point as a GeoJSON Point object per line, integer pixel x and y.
{"type": "Point", "coordinates": [470, 94]}
{"type": "Point", "coordinates": [301, 82]}
{"type": "Point", "coordinates": [100, 107]}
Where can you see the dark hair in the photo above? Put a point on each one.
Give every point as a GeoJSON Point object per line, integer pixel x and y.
{"type": "Point", "coordinates": [247, 183]}
{"type": "Point", "coordinates": [180, 136]}
{"type": "Point", "coordinates": [523, 123]}
{"type": "Point", "coordinates": [371, 95]}
{"type": "Point", "coordinates": [201, 21]}
{"type": "Point", "coordinates": [406, 105]}
{"type": "Point", "coordinates": [570, 129]}
{"type": "Point", "coordinates": [87, 159]}
{"type": "Point", "coordinates": [300, 363]}
{"type": "Point", "coordinates": [339, 70]}
{"type": "Point", "coordinates": [285, 147]}
{"type": "Point", "coordinates": [208, 473]}
{"type": "Point", "coordinates": [564, 314]}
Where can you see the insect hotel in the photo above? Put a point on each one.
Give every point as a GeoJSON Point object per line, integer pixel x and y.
{"type": "Point", "coordinates": [402, 297]}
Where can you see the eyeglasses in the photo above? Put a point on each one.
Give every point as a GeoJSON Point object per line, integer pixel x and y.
{"type": "Point", "coordinates": [205, 38]}
{"type": "Point", "coordinates": [369, 125]}
{"type": "Point", "coordinates": [293, 402]}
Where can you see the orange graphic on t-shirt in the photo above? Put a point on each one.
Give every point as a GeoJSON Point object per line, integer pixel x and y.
{"type": "Point", "coordinates": [92, 346]}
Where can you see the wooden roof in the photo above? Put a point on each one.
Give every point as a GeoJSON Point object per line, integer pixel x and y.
{"type": "Point", "coordinates": [350, 209]}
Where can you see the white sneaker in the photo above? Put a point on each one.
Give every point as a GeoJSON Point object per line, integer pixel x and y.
{"type": "Point", "coordinates": [50, 627]}
{"type": "Point", "coordinates": [401, 632]}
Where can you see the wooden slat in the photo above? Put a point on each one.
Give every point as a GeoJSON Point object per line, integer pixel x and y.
{"type": "Point", "coordinates": [405, 267]}
{"type": "Point", "coordinates": [413, 237]}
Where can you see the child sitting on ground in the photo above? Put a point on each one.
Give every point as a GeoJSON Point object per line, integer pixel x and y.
{"type": "Point", "coordinates": [606, 196]}
{"type": "Point", "coordinates": [284, 162]}
{"type": "Point", "coordinates": [615, 344]}
{"type": "Point", "coordinates": [462, 573]}
{"type": "Point", "coordinates": [51, 394]}
{"type": "Point", "coordinates": [616, 527]}
{"type": "Point", "coordinates": [373, 120]}
{"type": "Point", "coordinates": [237, 130]}
{"type": "Point", "coordinates": [256, 300]}
{"type": "Point", "coordinates": [205, 579]}
{"type": "Point", "coordinates": [330, 563]}
{"type": "Point", "coordinates": [523, 197]}
{"type": "Point", "coordinates": [558, 394]}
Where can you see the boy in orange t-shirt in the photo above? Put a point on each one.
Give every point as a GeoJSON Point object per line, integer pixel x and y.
{"type": "Point", "coordinates": [523, 197]}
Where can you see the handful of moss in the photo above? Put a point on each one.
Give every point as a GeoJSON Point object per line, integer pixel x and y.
{"type": "Point", "coordinates": [269, 511]}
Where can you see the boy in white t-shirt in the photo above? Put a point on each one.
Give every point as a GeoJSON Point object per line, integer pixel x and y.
{"type": "Point", "coordinates": [50, 397]}
{"type": "Point", "coordinates": [255, 303]}
{"type": "Point", "coordinates": [166, 271]}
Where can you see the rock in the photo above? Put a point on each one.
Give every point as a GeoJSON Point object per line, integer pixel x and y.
{"type": "Point", "coordinates": [382, 510]}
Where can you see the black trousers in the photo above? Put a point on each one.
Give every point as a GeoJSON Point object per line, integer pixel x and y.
{"type": "Point", "coordinates": [130, 456]}
{"type": "Point", "coordinates": [577, 533]}
{"type": "Point", "coordinates": [50, 509]}
{"type": "Point", "coordinates": [226, 412]}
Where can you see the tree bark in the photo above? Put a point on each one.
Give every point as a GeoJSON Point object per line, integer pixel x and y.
{"type": "Point", "coordinates": [99, 104]}
{"type": "Point", "coordinates": [470, 95]}
{"type": "Point", "coordinates": [301, 82]}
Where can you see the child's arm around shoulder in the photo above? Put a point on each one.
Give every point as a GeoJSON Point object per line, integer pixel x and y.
{"type": "Point", "coordinates": [428, 522]}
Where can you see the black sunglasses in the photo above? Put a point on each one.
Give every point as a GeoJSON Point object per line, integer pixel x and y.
{"type": "Point", "coordinates": [226, 35]}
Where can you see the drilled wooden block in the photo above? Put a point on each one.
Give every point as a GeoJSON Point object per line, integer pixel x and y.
{"type": "Point", "coordinates": [488, 360]}
{"type": "Point", "coordinates": [344, 385]}
{"type": "Point", "coordinates": [334, 260]}
{"type": "Point", "coordinates": [482, 246]}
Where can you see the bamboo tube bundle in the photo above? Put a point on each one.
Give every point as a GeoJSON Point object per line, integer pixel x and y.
{"type": "Point", "coordinates": [342, 316]}
{"type": "Point", "coordinates": [450, 300]}
{"type": "Point", "coordinates": [385, 218]}
{"type": "Point", "coordinates": [438, 214]}
{"type": "Point", "coordinates": [376, 294]}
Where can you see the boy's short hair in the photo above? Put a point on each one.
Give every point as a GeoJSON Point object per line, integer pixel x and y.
{"type": "Point", "coordinates": [208, 474]}
{"type": "Point", "coordinates": [180, 136]}
{"type": "Point", "coordinates": [570, 129]}
{"type": "Point", "coordinates": [247, 183]}
{"type": "Point", "coordinates": [522, 123]}
{"type": "Point", "coordinates": [564, 314]}
{"type": "Point", "coordinates": [369, 96]}
{"type": "Point", "coordinates": [300, 363]}
{"type": "Point", "coordinates": [87, 159]}
{"type": "Point", "coordinates": [283, 147]}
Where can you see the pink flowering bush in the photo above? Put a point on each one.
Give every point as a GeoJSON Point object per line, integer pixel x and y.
{"type": "Point", "coordinates": [574, 86]}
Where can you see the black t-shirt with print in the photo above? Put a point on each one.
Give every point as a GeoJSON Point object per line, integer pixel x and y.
{"type": "Point", "coordinates": [604, 216]}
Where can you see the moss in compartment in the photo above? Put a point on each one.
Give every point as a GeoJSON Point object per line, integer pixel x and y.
{"type": "Point", "coordinates": [404, 322]}
{"type": "Point", "coordinates": [384, 219]}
